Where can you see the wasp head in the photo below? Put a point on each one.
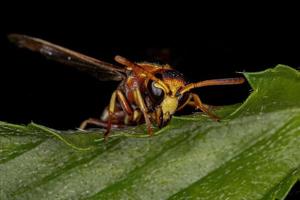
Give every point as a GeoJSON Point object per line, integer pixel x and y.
{"type": "Point", "coordinates": [167, 98]}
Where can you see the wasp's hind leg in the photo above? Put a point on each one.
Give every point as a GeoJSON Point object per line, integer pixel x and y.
{"type": "Point", "coordinates": [107, 122]}
{"type": "Point", "coordinates": [113, 117]}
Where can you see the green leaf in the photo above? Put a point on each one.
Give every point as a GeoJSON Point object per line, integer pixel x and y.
{"type": "Point", "coordinates": [253, 153]}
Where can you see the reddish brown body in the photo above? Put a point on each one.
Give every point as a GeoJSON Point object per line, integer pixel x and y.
{"type": "Point", "coordinates": [127, 110]}
{"type": "Point", "coordinates": [147, 92]}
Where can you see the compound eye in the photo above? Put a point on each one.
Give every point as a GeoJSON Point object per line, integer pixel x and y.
{"type": "Point", "coordinates": [156, 93]}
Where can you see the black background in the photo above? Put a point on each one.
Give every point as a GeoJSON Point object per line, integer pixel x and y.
{"type": "Point", "coordinates": [36, 89]}
{"type": "Point", "coordinates": [59, 96]}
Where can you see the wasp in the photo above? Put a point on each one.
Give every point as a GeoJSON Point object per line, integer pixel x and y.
{"type": "Point", "coordinates": [148, 93]}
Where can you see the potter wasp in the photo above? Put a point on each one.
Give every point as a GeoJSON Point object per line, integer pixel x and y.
{"type": "Point", "coordinates": [147, 92]}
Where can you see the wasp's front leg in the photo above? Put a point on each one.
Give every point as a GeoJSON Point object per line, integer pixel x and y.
{"type": "Point", "coordinates": [141, 104]}
{"type": "Point", "coordinates": [203, 107]}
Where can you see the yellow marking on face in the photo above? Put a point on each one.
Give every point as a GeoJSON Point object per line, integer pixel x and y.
{"type": "Point", "coordinates": [169, 106]}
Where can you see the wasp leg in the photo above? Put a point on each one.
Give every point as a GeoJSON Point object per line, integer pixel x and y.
{"type": "Point", "coordinates": [191, 103]}
{"type": "Point", "coordinates": [107, 124]}
{"type": "Point", "coordinates": [124, 103]}
{"type": "Point", "coordinates": [141, 104]}
{"type": "Point", "coordinates": [111, 110]}
{"type": "Point", "coordinates": [98, 122]}
{"type": "Point", "coordinates": [208, 107]}
{"type": "Point", "coordinates": [186, 103]}
{"type": "Point", "coordinates": [117, 95]}
{"type": "Point", "coordinates": [130, 114]}
{"type": "Point", "coordinates": [203, 107]}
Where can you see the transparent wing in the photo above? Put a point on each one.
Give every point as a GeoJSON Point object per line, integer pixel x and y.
{"type": "Point", "coordinates": [101, 70]}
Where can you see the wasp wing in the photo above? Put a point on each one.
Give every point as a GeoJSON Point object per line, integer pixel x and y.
{"type": "Point", "coordinates": [101, 70]}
